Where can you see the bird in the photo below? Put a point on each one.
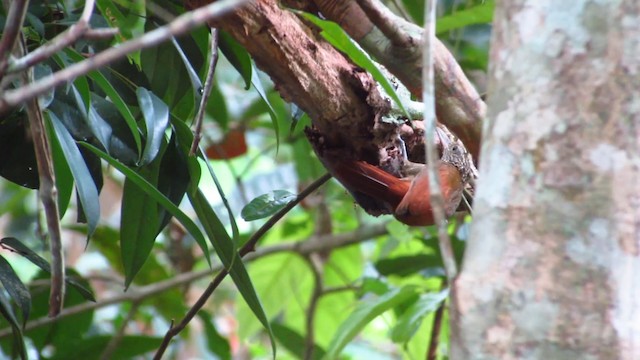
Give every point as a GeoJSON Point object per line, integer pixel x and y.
{"type": "Point", "coordinates": [408, 198]}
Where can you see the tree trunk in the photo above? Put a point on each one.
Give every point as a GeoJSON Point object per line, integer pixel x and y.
{"type": "Point", "coordinates": [552, 268]}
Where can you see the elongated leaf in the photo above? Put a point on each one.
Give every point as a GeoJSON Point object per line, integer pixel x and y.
{"type": "Point", "coordinates": [412, 318]}
{"type": "Point", "coordinates": [230, 259]}
{"type": "Point", "coordinates": [87, 191]}
{"type": "Point", "coordinates": [113, 95]}
{"type": "Point", "coordinates": [40, 262]}
{"type": "Point", "coordinates": [64, 177]}
{"type": "Point", "coordinates": [173, 177]}
{"type": "Point", "coordinates": [16, 289]}
{"type": "Point", "coordinates": [157, 196]}
{"type": "Point", "coordinates": [363, 314]}
{"type": "Point", "coordinates": [336, 36]}
{"type": "Point", "coordinates": [139, 225]}
{"type": "Point", "coordinates": [237, 56]}
{"type": "Point", "coordinates": [100, 128]}
{"type": "Point", "coordinates": [257, 84]}
{"type": "Point", "coordinates": [196, 84]}
{"type": "Point", "coordinates": [266, 205]}
{"type": "Point", "coordinates": [18, 340]}
{"type": "Point", "coordinates": [156, 119]}
{"type": "Point", "coordinates": [184, 137]}
{"type": "Point", "coordinates": [480, 14]}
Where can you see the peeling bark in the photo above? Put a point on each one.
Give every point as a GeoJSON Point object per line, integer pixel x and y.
{"type": "Point", "coordinates": [551, 268]}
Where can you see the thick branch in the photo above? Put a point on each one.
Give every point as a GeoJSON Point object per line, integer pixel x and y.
{"type": "Point", "coordinates": [339, 97]}
{"type": "Point", "coordinates": [458, 104]}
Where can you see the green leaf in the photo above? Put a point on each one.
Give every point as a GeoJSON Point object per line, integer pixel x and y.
{"type": "Point", "coordinates": [196, 84]}
{"type": "Point", "coordinates": [415, 8]}
{"type": "Point", "coordinates": [156, 119]}
{"type": "Point", "coordinates": [237, 56]}
{"type": "Point", "coordinates": [294, 342]}
{"type": "Point", "coordinates": [174, 177]}
{"type": "Point", "coordinates": [18, 340]}
{"type": "Point", "coordinates": [130, 22]}
{"type": "Point", "coordinates": [129, 347]}
{"type": "Point", "coordinates": [64, 177]}
{"type": "Point", "coordinates": [113, 95]}
{"type": "Point", "coordinates": [139, 224]}
{"type": "Point", "coordinates": [257, 84]}
{"type": "Point", "coordinates": [157, 196]}
{"type": "Point", "coordinates": [412, 318]}
{"type": "Point", "coordinates": [363, 314]}
{"type": "Point", "coordinates": [407, 265]}
{"type": "Point", "coordinates": [266, 205]}
{"type": "Point", "coordinates": [16, 289]}
{"type": "Point", "coordinates": [87, 191]}
{"type": "Point", "coordinates": [100, 128]}
{"type": "Point", "coordinates": [225, 249]}
{"type": "Point", "coordinates": [336, 36]}
{"type": "Point", "coordinates": [479, 14]}
{"type": "Point", "coordinates": [19, 248]}
{"type": "Point", "coordinates": [216, 343]}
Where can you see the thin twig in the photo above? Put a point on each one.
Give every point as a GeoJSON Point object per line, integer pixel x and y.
{"type": "Point", "coordinates": [206, 91]}
{"type": "Point", "coordinates": [180, 25]}
{"type": "Point", "coordinates": [387, 25]}
{"type": "Point", "coordinates": [428, 96]}
{"type": "Point", "coordinates": [47, 191]}
{"type": "Point", "coordinates": [13, 23]}
{"type": "Point", "coordinates": [137, 294]}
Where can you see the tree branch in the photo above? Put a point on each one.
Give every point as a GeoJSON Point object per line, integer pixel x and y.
{"type": "Point", "coordinates": [64, 39]}
{"type": "Point", "coordinates": [206, 91]}
{"type": "Point", "coordinates": [15, 18]}
{"type": "Point", "coordinates": [458, 104]}
{"type": "Point", "coordinates": [428, 97]}
{"type": "Point", "coordinates": [139, 294]}
{"type": "Point", "coordinates": [248, 247]}
{"type": "Point", "coordinates": [180, 25]}
{"type": "Point", "coordinates": [47, 191]}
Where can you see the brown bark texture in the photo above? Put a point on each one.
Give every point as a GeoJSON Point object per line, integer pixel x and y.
{"type": "Point", "coordinates": [458, 104]}
{"type": "Point", "coordinates": [552, 268]}
{"type": "Point", "coordinates": [342, 100]}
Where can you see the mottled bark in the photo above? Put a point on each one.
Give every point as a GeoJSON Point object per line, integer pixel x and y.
{"type": "Point", "coordinates": [552, 266]}
{"type": "Point", "coordinates": [341, 99]}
